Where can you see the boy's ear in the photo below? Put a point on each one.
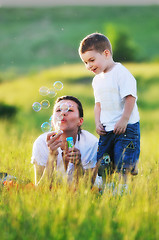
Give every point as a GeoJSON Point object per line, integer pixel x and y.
{"type": "Point", "coordinates": [106, 52]}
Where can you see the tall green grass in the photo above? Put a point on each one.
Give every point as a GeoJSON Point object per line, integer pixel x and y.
{"type": "Point", "coordinates": [28, 213]}
{"type": "Point", "coordinates": [63, 213]}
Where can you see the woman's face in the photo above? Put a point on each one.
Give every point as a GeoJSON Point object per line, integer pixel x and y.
{"type": "Point", "coordinates": [66, 116]}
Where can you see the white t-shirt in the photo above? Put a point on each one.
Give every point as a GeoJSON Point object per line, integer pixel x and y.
{"type": "Point", "coordinates": [110, 90]}
{"type": "Point", "coordinates": [87, 145]}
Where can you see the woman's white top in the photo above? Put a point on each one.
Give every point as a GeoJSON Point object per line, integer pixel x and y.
{"type": "Point", "coordinates": [87, 146]}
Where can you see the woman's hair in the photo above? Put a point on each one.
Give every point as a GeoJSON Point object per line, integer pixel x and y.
{"type": "Point", "coordinates": [95, 41]}
{"type": "Point", "coordinates": [80, 108]}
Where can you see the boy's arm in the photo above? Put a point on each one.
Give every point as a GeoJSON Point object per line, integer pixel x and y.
{"type": "Point", "coordinates": [121, 125]}
{"type": "Point", "coordinates": [99, 127]}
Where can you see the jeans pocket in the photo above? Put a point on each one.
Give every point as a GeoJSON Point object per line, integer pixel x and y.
{"type": "Point", "coordinates": [125, 152]}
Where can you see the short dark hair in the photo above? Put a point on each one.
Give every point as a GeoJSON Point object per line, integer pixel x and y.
{"type": "Point", "coordinates": [76, 100]}
{"type": "Point", "coordinates": [95, 41]}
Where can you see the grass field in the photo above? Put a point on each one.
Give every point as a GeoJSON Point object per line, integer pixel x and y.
{"type": "Point", "coordinates": [28, 60]}
{"type": "Point", "coordinates": [28, 213]}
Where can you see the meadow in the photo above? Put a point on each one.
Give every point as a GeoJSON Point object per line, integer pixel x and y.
{"type": "Point", "coordinates": [27, 212]}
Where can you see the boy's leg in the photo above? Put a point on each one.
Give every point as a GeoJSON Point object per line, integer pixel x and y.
{"type": "Point", "coordinates": [127, 149]}
{"type": "Point", "coordinates": [105, 153]}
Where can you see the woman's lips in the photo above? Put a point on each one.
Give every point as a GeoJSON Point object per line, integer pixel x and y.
{"type": "Point", "coordinates": [63, 120]}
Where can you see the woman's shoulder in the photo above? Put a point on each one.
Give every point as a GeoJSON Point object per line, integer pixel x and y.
{"type": "Point", "coordinates": [41, 138]}
{"type": "Point", "coordinates": [88, 137]}
{"type": "Point", "coordinates": [88, 146]}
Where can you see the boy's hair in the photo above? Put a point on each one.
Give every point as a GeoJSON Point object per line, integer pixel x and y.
{"type": "Point", "coordinates": [95, 41]}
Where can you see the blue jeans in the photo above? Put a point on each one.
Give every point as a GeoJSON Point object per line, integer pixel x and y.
{"type": "Point", "coordinates": [120, 151]}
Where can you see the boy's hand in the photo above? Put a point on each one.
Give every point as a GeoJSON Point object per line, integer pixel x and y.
{"type": "Point", "coordinates": [100, 129]}
{"type": "Point", "coordinates": [120, 126]}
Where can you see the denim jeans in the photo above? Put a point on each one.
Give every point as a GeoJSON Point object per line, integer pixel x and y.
{"type": "Point", "coordinates": [121, 150]}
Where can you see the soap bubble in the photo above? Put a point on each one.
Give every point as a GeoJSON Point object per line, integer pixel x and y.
{"type": "Point", "coordinates": [64, 107]}
{"type": "Point", "coordinates": [58, 122]}
{"type": "Point", "coordinates": [60, 117]}
{"type": "Point", "coordinates": [46, 127]}
{"type": "Point", "coordinates": [58, 85]}
{"type": "Point", "coordinates": [45, 104]}
{"type": "Point", "coordinates": [57, 126]}
{"type": "Point", "coordinates": [50, 120]}
{"type": "Point", "coordinates": [51, 93]}
{"type": "Point", "coordinates": [36, 106]}
{"type": "Point", "coordinates": [43, 91]}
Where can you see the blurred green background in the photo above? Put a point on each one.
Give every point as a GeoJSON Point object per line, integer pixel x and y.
{"type": "Point", "coordinates": [36, 38]}
{"type": "Point", "coordinates": [39, 46]}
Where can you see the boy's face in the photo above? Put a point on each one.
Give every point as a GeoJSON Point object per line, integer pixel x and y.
{"type": "Point", "coordinates": [95, 61]}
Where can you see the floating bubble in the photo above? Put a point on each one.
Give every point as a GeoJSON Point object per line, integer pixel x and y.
{"type": "Point", "coordinates": [45, 104]}
{"type": "Point", "coordinates": [58, 122]}
{"type": "Point", "coordinates": [46, 127]}
{"type": "Point", "coordinates": [58, 85]}
{"type": "Point", "coordinates": [60, 117]}
{"type": "Point", "coordinates": [64, 107]}
{"type": "Point", "coordinates": [57, 126]}
{"type": "Point", "coordinates": [50, 119]}
{"type": "Point", "coordinates": [51, 93]}
{"type": "Point", "coordinates": [43, 91]}
{"type": "Point", "coordinates": [36, 106]}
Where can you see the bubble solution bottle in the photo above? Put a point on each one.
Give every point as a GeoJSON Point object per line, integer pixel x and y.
{"type": "Point", "coordinates": [70, 142]}
{"type": "Point", "coordinates": [70, 168]}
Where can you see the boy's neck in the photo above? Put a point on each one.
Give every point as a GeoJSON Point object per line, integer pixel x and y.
{"type": "Point", "coordinates": [110, 66]}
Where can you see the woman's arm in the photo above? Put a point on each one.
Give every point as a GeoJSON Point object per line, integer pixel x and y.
{"type": "Point", "coordinates": [38, 173]}
{"type": "Point", "coordinates": [44, 175]}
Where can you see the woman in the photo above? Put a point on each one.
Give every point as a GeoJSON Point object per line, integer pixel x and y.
{"type": "Point", "coordinates": [50, 150]}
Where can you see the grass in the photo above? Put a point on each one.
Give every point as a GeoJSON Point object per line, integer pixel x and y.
{"type": "Point", "coordinates": [29, 213]}
{"type": "Point", "coordinates": [62, 214]}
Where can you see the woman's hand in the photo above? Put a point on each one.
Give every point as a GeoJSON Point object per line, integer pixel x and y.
{"type": "Point", "coordinates": [74, 156]}
{"type": "Point", "coordinates": [54, 141]}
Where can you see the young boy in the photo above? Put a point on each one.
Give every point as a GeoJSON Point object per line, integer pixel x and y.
{"type": "Point", "coordinates": [116, 112]}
